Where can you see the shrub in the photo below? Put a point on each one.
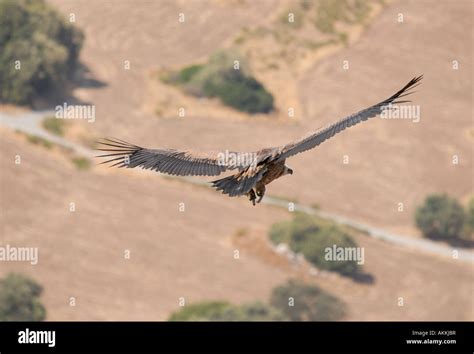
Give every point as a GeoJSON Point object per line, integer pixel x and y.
{"type": "Point", "coordinates": [281, 232]}
{"type": "Point", "coordinates": [330, 12]}
{"type": "Point", "coordinates": [36, 140]}
{"type": "Point", "coordinates": [81, 163]}
{"type": "Point", "coordinates": [285, 230]}
{"type": "Point", "coordinates": [54, 125]}
{"type": "Point", "coordinates": [203, 311]}
{"type": "Point", "coordinates": [218, 78]}
{"type": "Point", "coordinates": [259, 311]}
{"type": "Point", "coordinates": [224, 311]}
{"type": "Point", "coordinates": [19, 299]}
{"type": "Point", "coordinates": [311, 237]}
{"type": "Point", "coordinates": [240, 92]}
{"type": "Point", "coordinates": [309, 303]}
{"type": "Point", "coordinates": [47, 47]}
{"type": "Point", "coordinates": [470, 218]}
{"type": "Point", "coordinates": [440, 217]}
{"type": "Point", "coordinates": [186, 74]}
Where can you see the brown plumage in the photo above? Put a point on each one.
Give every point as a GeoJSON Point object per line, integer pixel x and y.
{"type": "Point", "coordinates": [256, 170]}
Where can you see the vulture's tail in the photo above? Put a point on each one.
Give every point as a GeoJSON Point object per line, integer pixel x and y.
{"type": "Point", "coordinates": [235, 185]}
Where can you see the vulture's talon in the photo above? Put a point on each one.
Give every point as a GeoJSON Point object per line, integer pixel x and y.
{"type": "Point", "coordinates": [252, 196]}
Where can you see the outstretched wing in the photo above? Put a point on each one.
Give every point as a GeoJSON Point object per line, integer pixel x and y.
{"type": "Point", "coordinates": [323, 134]}
{"type": "Point", "coordinates": [170, 161]}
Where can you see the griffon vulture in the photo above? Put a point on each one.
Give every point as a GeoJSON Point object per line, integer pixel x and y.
{"type": "Point", "coordinates": [255, 170]}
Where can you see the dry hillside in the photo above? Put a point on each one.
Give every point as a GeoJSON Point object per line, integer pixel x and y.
{"type": "Point", "coordinates": [190, 254]}
{"type": "Point", "coordinates": [390, 161]}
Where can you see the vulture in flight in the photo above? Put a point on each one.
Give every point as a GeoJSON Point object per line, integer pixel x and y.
{"type": "Point", "coordinates": [255, 170]}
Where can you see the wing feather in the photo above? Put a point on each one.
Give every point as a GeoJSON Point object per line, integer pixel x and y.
{"type": "Point", "coordinates": [323, 134]}
{"type": "Point", "coordinates": [169, 161]}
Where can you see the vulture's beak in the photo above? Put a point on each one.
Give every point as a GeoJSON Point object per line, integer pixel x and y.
{"type": "Point", "coordinates": [290, 171]}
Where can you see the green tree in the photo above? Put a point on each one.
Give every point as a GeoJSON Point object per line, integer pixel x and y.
{"type": "Point", "coordinates": [312, 237]}
{"type": "Point", "coordinates": [470, 218]}
{"type": "Point", "coordinates": [302, 302]}
{"type": "Point", "coordinates": [440, 217]}
{"type": "Point", "coordinates": [39, 49]}
{"type": "Point", "coordinates": [219, 77]}
{"type": "Point", "coordinates": [19, 299]}
{"type": "Point", "coordinates": [224, 311]}
{"type": "Point", "coordinates": [240, 92]}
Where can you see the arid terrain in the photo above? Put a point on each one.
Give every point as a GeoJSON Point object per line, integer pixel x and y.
{"type": "Point", "coordinates": [390, 161]}
{"type": "Point", "coordinates": [190, 253]}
